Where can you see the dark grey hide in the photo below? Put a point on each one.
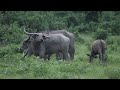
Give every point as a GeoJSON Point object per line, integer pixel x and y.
{"type": "Point", "coordinates": [53, 43]}
{"type": "Point", "coordinates": [67, 34]}
{"type": "Point", "coordinates": [70, 36]}
{"type": "Point", "coordinates": [98, 47]}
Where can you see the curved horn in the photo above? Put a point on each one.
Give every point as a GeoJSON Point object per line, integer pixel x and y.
{"type": "Point", "coordinates": [29, 33]}
{"type": "Point", "coordinates": [25, 31]}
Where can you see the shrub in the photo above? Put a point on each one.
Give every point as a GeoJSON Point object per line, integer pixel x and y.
{"type": "Point", "coordinates": [113, 40]}
{"type": "Point", "coordinates": [9, 49]}
{"type": "Point", "coordinates": [11, 34]}
{"type": "Point", "coordinates": [92, 26]}
{"type": "Point", "coordinates": [80, 39]}
{"type": "Point", "coordinates": [100, 34]}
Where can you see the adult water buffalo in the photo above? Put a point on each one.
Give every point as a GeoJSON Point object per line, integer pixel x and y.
{"type": "Point", "coordinates": [30, 47]}
{"type": "Point", "coordinates": [98, 47]}
{"type": "Point", "coordinates": [70, 36]}
{"type": "Point", "coordinates": [67, 34]}
{"type": "Point", "coordinates": [52, 43]}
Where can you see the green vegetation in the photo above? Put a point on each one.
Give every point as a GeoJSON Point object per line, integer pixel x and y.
{"type": "Point", "coordinates": [86, 25]}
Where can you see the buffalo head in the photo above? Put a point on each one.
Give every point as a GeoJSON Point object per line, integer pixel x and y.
{"type": "Point", "coordinates": [38, 37]}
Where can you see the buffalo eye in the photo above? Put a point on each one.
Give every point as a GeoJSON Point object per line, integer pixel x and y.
{"type": "Point", "coordinates": [44, 37]}
{"type": "Point", "coordinates": [41, 40]}
{"type": "Point", "coordinates": [34, 36]}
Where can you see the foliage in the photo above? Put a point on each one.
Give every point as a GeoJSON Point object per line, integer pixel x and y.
{"type": "Point", "coordinates": [113, 42]}
{"type": "Point", "coordinates": [100, 34]}
{"type": "Point", "coordinates": [73, 21]}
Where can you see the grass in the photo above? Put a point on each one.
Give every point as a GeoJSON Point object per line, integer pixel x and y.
{"type": "Point", "coordinates": [12, 66]}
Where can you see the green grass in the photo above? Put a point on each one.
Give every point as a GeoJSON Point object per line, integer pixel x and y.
{"type": "Point", "coordinates": [12, 66]}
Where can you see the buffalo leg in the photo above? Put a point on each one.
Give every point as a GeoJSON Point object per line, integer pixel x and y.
{"type": "Point", "coordinates": [90, 59]}
{"type": "Point", "coordinates": [100, 58]}
{"type": "Point", "coordinates": [71, 52]}
{"type": "Point", "coordinates": [65, 56]}
{"type": "Point", "coordinates": [25, 53]}
{"type": "Point", "coordinates": [103, 59]}
{"type": "Point", "coordinates": [49, 56]}
{"type": "Point", "coordinates": [59, 56]}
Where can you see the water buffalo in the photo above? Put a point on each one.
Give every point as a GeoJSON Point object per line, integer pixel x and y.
{"type": "Point", "coordinates": [52, 43]}
{"type": "Point", "coordinates": [30, 47]}
{"type": "Point", "coordinates": [67, 34]}
{"type": "Point", "coordinates": [98, 47]}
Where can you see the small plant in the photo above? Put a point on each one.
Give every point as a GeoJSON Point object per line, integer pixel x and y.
{"type": "Point", "coordinates": [113, 73]}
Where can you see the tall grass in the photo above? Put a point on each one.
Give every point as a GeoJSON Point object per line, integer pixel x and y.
{"type": "Point", "coordinates": [12, 66]}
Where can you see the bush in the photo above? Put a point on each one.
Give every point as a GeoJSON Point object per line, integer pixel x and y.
{"type": "Point", "coordinates": [9, 49]}
{"type": "Point", "coordinates": [100, 34]}
{"type": "Point", "coordinates": [11, 34]}
{"type": "Point", "coordinates": [113, 42]}
{"type": "Point", "coordinates": [82, 28]}
{"type": "Point", "coordinates": [92, 26]}
{"type": "Point", "coordinates": [80, 39]}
